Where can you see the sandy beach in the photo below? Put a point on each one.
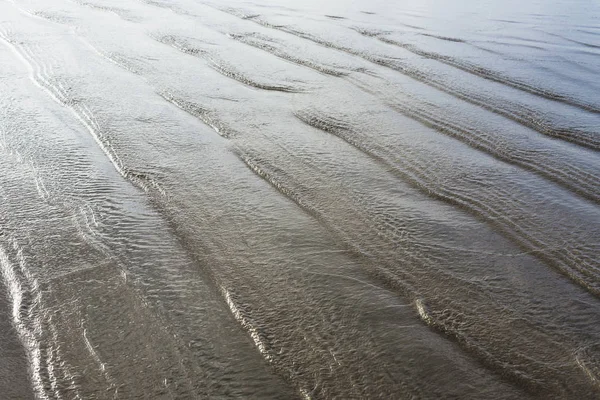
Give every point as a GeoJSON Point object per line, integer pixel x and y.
{"type": "Point", "coordinates": [277, 199]}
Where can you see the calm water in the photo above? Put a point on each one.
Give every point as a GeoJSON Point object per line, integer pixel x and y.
{"type": "Point", "coordinates": [289, 199]}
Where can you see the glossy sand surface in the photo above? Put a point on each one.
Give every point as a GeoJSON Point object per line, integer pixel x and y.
{"type": "Point", "coordinates": [282, 199]}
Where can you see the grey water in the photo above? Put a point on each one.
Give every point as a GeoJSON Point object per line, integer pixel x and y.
{"type": "Point", "coordinates": [276, 199]}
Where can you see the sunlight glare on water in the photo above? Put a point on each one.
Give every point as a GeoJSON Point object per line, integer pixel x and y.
{"type": "Point", "coordinates": [274, 199]}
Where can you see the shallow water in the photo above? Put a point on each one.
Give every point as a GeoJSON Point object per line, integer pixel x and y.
{"type": "Point", "coordinates": [279, 200]}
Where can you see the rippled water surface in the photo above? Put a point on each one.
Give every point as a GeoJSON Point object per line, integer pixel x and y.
{"type": "Point", "coordinates": [278, 199]}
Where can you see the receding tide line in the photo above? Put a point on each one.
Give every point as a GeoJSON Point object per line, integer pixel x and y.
{"type": "Point", "coordinates": [84, 115]}
{"type": "Point", "coordinates": [115, 161]}
{"type": "Point", "coordinates": [515, 112]}
{"type": "Point", "coordinates": [487, 73]}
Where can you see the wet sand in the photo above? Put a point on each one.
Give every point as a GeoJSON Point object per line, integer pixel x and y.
{"type": "Point", "coordinates": [273, 200]}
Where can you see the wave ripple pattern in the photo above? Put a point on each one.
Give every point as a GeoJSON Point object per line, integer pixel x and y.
{"type": "Point", "coordinates": [282, 199]}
